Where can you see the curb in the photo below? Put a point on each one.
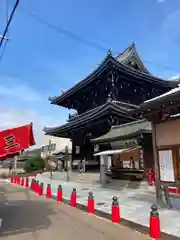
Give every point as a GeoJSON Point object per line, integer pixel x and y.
{"type": "Point", "coordinates": [124, 222]}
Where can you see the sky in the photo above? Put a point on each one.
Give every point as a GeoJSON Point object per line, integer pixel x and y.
{"type": "Point", "coordinates": [39, 62]}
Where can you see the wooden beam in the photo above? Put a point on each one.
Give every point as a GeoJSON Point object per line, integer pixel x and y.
{"type": "Point", "coordinates": [156, 166]}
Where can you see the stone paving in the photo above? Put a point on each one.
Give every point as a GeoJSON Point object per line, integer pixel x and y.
{"type": "Point", "coordinates": [134, 203]}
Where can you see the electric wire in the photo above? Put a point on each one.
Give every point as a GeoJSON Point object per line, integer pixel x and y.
{"type": "Point", "coordinates": [66, 32]}
{"type": "Point", "coordinates": [6, 41]}
{"type": "Point", "coordinates": [83, 40]}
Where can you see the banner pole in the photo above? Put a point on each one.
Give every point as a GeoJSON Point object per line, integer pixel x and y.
{"type": "Point", "coordinates": [15, 161]}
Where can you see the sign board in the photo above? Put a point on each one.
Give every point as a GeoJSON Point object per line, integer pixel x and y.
{"type": "Point", "coordinates": [166, 166]}
{"type": "Point", "coordinates": [141, 158]}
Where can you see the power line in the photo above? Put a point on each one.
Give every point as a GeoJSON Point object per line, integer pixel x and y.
{"type": "Point", "coordinates": [66, 32]}
{"type": "Point", "coordinates": [3, 50]}
{"type": "Point", "coordinates": [9, 21]}
{"type": "Point", "coordinates": [7, 16]}
{"type": "Point", "coordinates": [83, 40]}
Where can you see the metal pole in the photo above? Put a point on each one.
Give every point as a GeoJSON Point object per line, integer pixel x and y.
{"type": "Point", "coordinates": [15, 162]}
{"type": "Point", "coordinates": [50, 154]}
{"type": "Point", "coordinates": [66, 159]}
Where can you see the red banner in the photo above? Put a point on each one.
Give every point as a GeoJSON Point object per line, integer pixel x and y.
{"type": "Point", "coordinates": [15, 140]}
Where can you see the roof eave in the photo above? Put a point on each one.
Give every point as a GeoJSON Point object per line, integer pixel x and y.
{"type": "Point", "coordinates": [125, 137]}
{"type": "Point", "coordinates": [154, 105]}
{"type": "Point", "coordinates": [97, 113]}
{"type": "Point", "coordinates": [59, 99]}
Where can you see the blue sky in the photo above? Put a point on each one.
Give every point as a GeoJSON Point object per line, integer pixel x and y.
{"type": "Point", "coordinates": [39, 62]}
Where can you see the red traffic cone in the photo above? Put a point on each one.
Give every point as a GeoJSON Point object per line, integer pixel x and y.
{"type": "Point", "coordinates": [48, 191]}
{"type": "Point", "coordinates": [115, 210]}
{"type": "Point", "coordinates": [34, 185]}
{"type": "Point", "coordinates": [41, 187]}
{"type": "Point", "coordinates": [150, 177]}
{"type": "Point", "coordinates": [59, 194]}
{"type": "Point", "coordinates": [18, 180]}
{"type": "Point", "coordinates": [27, 182]}
{"type": "Point", "coordinates": [73, 198]}
{"type": "Point", "coordinates": [22, 181]}
{"type": "Point", "coordinates": [90, 203]}
{"type": "Point", "coordinates": [154, 230]}
{"type": "Point", "coordinates": [37, 187]}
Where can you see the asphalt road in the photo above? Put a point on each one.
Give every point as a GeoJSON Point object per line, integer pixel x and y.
{"type": "Point", "coordinates": [27, 216]}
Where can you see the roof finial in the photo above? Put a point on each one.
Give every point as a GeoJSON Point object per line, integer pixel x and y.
{"type": "Point", "coordinates": [109, 52]}
{"type": "Point", "coordinates": [109, 99]}
{"type": "Point", "coordinates": [133, 43]}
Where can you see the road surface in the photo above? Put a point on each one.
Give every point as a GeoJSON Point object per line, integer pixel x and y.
{"type": "Point", "coordinates": [27, 216]}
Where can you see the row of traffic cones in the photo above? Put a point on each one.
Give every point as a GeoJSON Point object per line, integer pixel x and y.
{"type": "Point", "coordinates": [154, 215]}
{"type": "Point", "coordinates": [20, 181]}
{"type": "Point", "coordinates": [38, 188]}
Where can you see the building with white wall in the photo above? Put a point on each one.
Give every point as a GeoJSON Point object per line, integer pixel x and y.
{"type": "Point", "coordinates": [50, 144]}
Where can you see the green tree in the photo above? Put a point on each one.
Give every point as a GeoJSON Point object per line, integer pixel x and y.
{"type": "Point", "coordinates": [34, 163]}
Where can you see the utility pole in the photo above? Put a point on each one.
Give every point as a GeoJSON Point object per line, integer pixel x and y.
{"type": "Point", "coordinates": [3, 37]}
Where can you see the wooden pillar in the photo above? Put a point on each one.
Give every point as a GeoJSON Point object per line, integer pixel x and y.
{"type": "Point", "coordinates": [156, 166]}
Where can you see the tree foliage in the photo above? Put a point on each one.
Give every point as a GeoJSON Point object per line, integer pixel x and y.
{"type": "Point", "coordinates": [34, 163]}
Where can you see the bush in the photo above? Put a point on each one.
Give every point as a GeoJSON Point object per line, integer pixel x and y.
{"type": "Point", "coordinates": [50, 164]}
{"type": "Point", "coordinates": [35, 163]}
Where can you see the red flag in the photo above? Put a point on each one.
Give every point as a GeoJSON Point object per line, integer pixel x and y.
{"type": "Point", "coordinates": [15, 140]}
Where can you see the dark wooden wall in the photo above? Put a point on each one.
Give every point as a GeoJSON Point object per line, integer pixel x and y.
{"type": "Point", "coordinates": [148, 152]}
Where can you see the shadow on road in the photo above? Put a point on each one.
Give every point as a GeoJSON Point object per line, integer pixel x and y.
{"type": "Point", "coordinates": [24, 215]}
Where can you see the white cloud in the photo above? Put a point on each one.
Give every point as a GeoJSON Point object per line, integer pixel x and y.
{"type": "Point", "coordinates": [15, 110]}
{"type": "Point", "coordinates": [21, 92]}
{"type": "Point", "coordinates": [161, 1]}
{"type": "Point", "coordinates": [11, 117]}
{"type": "Point", "coordinates": [18, 89]}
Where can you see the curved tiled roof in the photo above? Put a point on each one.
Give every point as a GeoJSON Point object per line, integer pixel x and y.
{"type": "Point", "coordinates": [130, 54]}
{"type": "Point", "coordinates": [116, 64]}
{"type": "Point", "coordinates": [92, 115]}
{"type": "Point", "coordinates": [124, 131]}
